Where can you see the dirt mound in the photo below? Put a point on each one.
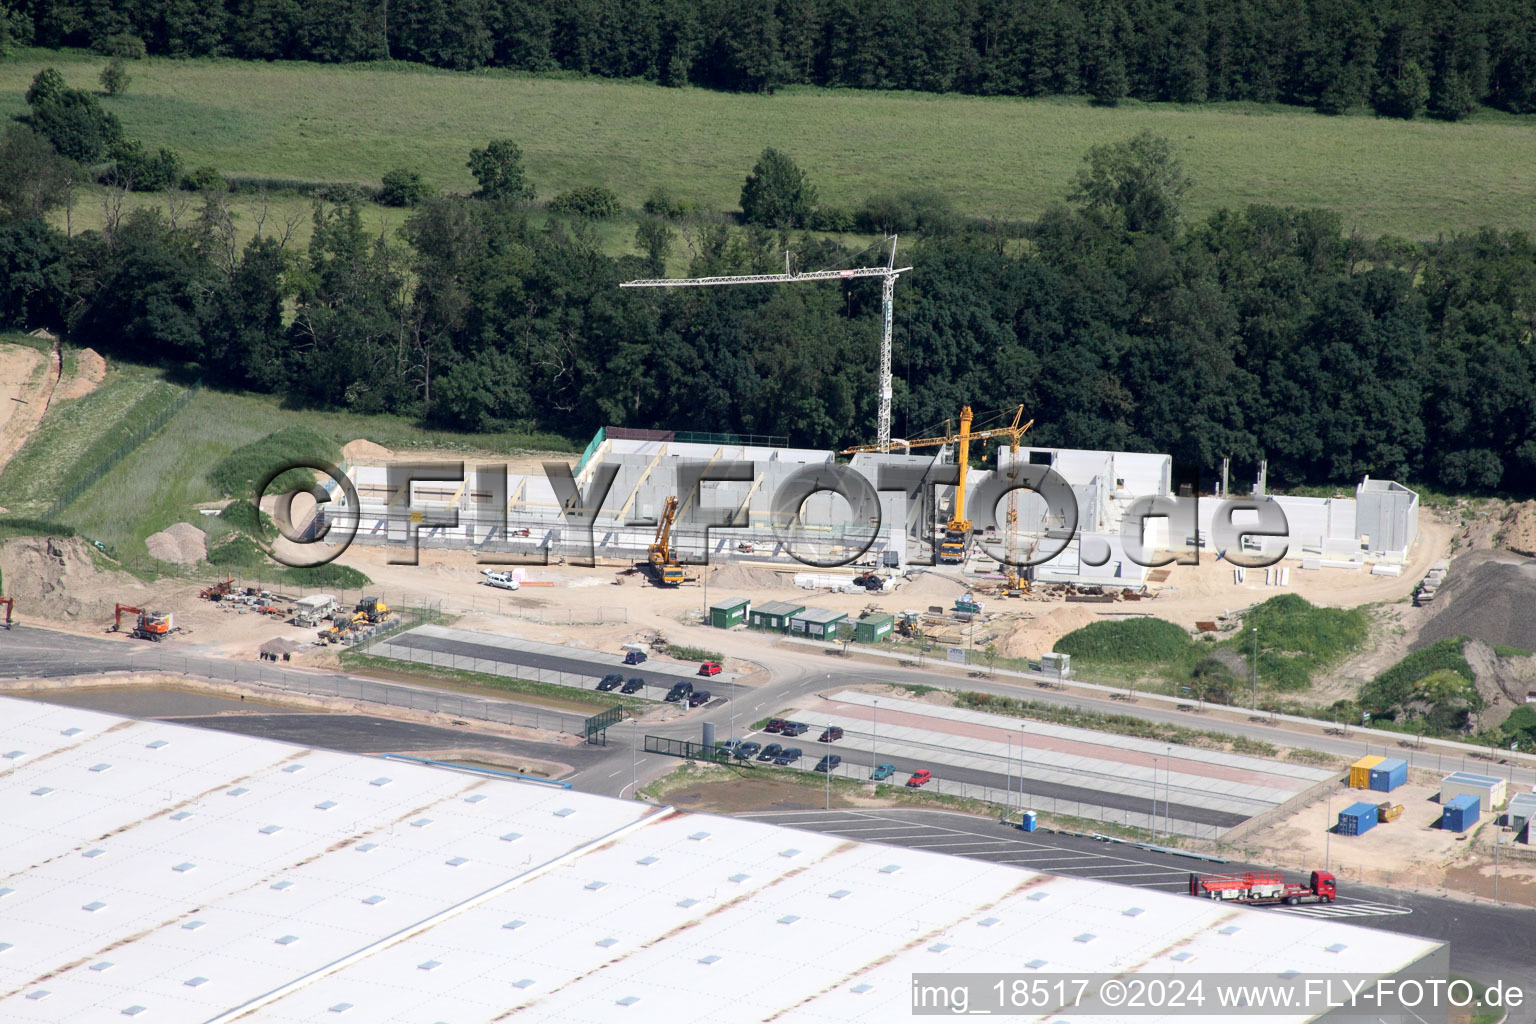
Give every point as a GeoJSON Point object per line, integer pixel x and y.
{"type": "Point", "coordinates": [1488, 596]}
{"type": "Point", "coordinates": [1518, 531]}
{"type": "Point", "coordinates": [1036, 636]}
{"type": "Point", "coordinates": [58, 580]}
{"type": "Point", "coordinates": [181, 542]}
{"type": "Point", "coordinates": [747, 580]}
{"type": "Point", "coordinates": [365, 451]}
{"type": "Point", "coordinates": [90, 370]}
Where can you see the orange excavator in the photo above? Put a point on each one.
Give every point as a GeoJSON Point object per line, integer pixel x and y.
{"type": "Point", "coordinates": [149, 625]}
{"type": "Point", "coordinates": [10, 604]}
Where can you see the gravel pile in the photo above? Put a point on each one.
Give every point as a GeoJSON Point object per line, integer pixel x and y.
{"type": "Point", "coordinates": [182, 543]}
{"type": "Point", "coordinates": [1493, 600]}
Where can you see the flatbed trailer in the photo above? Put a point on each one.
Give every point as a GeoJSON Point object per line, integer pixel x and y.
{"type": "Point", "coordinates": [1259, 888]}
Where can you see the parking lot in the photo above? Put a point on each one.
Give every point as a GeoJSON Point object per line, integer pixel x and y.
{"type": "Point", "coordinates": [467, 650]}
{"type": "Point", "coordinates": [979, 839]}
{"type": "Point", "coordinates": [1054, 768]}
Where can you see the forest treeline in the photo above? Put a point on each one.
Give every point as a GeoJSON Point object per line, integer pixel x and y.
{"type": "Point", "coordinates": [1401, 57]}
{"type": "Point", "coordinates": [1119, 324]}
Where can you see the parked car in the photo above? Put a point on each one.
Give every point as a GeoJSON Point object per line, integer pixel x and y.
{"type": "Point", "coordinates": [770, 752]}
{"type": "Point", "coordinates": [635, 685]}
{"type": "Point", "coordinates": [502, 580]}
{"type": "Point", "coordinates": [920, 778]}
{"type": "Point", "coordinates": [610, 681]}
{"type": "Point", "coordinates": [698, 697]}
{"type": "Point", "coordinates": [709, 668]}
{"type": "Point", "coordinates": [634, 657]}
{"type": "Point", "coordinates": [831, 734]}
{"type": "Point", "coordinates": [882, 772]}
{"type": "Point", "coordinates": [679, 691]}
{"type": "Point", "coordinates": [829, 762]}
{"type": "Point", "coordinates": [747, 751]}
{"type": "Point", "coordinates": [789, 756]}
{"type": "Point", "coordinates": [729, 746]}
{"type": "Point", "coordinates": [794, 729]}
{"type": "Point", "coordinates": [774, 725]}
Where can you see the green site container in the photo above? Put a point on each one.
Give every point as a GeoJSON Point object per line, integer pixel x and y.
{"type": "Point", "coordinates": [725, 614]}
{"type": "Point", "coordinates": [873, 628]}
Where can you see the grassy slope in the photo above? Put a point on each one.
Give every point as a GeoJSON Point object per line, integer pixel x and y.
{"type": "Point", "coordinates": [1003, 157]}
{"type": "Point", "coordinates": [160, 483]}
{"type": "Point", "coordinates": [77, 434]}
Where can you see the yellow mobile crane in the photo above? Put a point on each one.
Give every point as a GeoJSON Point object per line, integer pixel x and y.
{"type": "Point", "coordinates": [660, 556]}
{"type": "Point", "coordinates": [957, 532]}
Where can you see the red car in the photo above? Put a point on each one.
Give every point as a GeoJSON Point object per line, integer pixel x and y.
{"type": "Point", "coordinates": [920, 778]}
{"type": "Point", "coordinates": [709, 668]}
{"type": "Point", "coordinates": [775, 725]}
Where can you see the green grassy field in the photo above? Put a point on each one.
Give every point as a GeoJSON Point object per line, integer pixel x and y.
{"type": "Point", "coordinates": [996, 157]}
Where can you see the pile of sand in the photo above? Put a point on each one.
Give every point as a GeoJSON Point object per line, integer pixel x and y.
{"type": "Point", "coordinates": [731, 576]}
{"type": "Point", "coordinates": [1488, 596]}
{"type": "Point", "coordinates": [58, 579]}
{"type": "Point", "coordinates": [1033, 637]}
{"type": "Point", "coordinates": [364, 451]}
{"type": "Point", "coordinates": [181, 542]}
{"type": "Point", "coordinates": [1518, 532]}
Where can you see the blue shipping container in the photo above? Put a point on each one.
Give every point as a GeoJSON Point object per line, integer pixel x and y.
{"type": "Point", "coordinates": [1357, 819]}
{"type": "Point", "coordinates": [1027, 823]}
{"type": "Point", "coordinates": [1388, 775]}
{"type": "Point", "coordinates": [1461, 813]}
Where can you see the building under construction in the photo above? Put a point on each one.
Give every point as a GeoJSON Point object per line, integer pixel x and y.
{"type": "Point", "coordinates": [755, 518]}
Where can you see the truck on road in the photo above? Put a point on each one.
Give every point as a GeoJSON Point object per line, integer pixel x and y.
{"type": "Point", "coordinates": [1264, 887]}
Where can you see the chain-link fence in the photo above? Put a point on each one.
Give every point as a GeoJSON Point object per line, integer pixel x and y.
{"type": "Point", "coordinates": [122, 451]}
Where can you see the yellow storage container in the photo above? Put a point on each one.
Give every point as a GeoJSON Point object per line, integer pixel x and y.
{"type": "Point", "coordinates": [1360, 772]}
{"type": "Point", "coordinates": [1389, 812]}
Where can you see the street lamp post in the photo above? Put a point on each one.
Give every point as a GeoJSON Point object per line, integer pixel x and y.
{"type": "Point", "coordinates": [874, 742]}
{"type": "Point", "coordinates": [1254, 692]}
{"type": "Point", "coordinates": [1152, 819]}
{"type": "Point", "coordinates": [826, 753]}
{"type": "Point", "coordinates": [1008, 769]}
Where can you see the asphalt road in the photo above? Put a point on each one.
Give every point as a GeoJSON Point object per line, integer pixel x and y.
{"type": "Point", "coordinates": [1487, 942]}
{"type": "Point", "coordinates": [655, 677]}
{"type": "Point", "coordinates": [362, 734]}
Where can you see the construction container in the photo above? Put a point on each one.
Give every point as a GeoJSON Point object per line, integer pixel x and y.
{"type": "Point", "coordinates": [1027, 822]}
{"type": "Point", "coordinates": [728, 613]}
{"type": "Point", "coordinates": [1522, 809]}
{"type": "Point", "coordinates": [817, 623]}
{"type": "Point", "coordinates": [1357, 819]}
{"type": "Point", "coordinates": [1360, 772]}
{"type": "Point", "coordinates": [873, 628]}
{"type": "Point", "coordinates": [1388, 812]}
{"type": "Point", "coordinates": [774, 615]}
{"type": "Point", "coordinates": [1388, 775]}
{"type": "Point", "coordinates": [1489, 790]}
{"type": "Point", "coordinates": [1461, 813]}
{"type": "Point", "coordinates": [1056, 664]}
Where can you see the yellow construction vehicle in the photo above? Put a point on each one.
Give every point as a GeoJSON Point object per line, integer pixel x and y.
{"type": "Point", "coordinates": [371, 609]}
{"type": "Point", "coordinates": [660, 557]}
{"type": "Point", "coordinates": [957, 532]}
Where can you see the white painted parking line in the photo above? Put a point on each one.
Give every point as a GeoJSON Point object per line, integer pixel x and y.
{"type": "Point", "coordinates": [1134, 874]}
{"type": "Point", "coordinates": [1347, 910]}
{"type": "Point", "coordinates": [950, 844]}
{"type": "Point", "coordinates": [878, 828]}
{"type": "Point", "coordinates": [1033, 860]}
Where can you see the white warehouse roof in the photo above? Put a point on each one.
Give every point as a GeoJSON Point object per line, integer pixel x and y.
{"type": "Point", "coordinates": [196, 876]}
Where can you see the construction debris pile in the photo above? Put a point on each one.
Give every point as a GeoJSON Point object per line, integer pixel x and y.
{"type": "Point", "coordinates": [1430, 584]}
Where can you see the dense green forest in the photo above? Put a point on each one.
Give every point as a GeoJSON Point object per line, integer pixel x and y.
{"type": "Point", "coordinates": [1260, 332]}
{"type": "Point", "coordinates": [1401, 57]}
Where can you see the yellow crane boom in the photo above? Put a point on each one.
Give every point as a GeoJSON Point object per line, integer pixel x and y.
{"type": "Point", "coordinates": [958, 530]}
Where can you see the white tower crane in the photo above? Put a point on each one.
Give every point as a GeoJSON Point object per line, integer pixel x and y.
{"type": "Point", "coordinates": [888, 275]}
